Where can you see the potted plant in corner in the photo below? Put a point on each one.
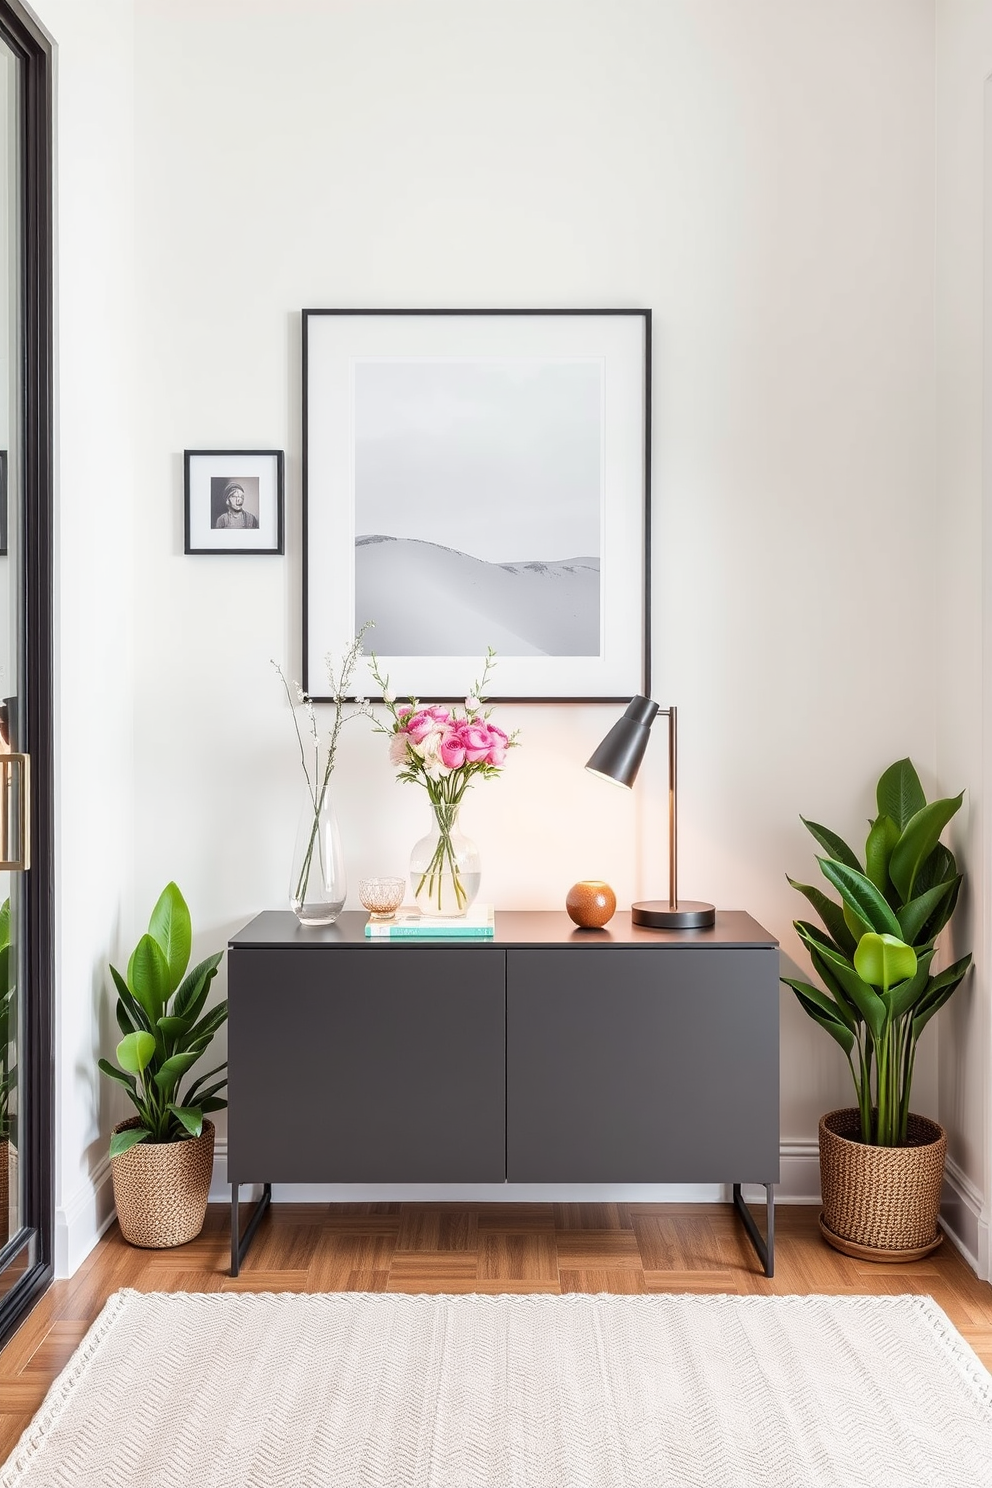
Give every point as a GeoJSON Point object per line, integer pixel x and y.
{"type": "Point", "coordinates": [881, 1165]}
{"type": "Point", "coordinates": [162, 1158]}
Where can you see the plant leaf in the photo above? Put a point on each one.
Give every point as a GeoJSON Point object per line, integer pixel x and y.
{"type": "Point", "coordinates": [918, 840]}
{"type": "Point", "coordinates": [939, 867]}
{"type": "Point", "coordinates": [121, 1076]}
{"type": "Point", "coordinates": [134, 1052]}
{"type": "Point", "coordinates": [899, 793]}
{"type": "Point", "coordinates": [861, 894]}
{"type": "Point", "coordinates": [190, 1116]}
{"type": "Point", "coordinates": [122, 1141]}
{"type": "Point", "coordinates": [830, 913]}
{"type": "Point", "coordinates": [173, 1069]}
{"type": "Point", "coordinates": [920, 911]}
{"type": "Point", "coordinates": [148, 976]}
{"type": "Point", "coordinates": [884, 961]}
{"type": "Point", "coordinates": [213, 1104]}
{"type": "Point", "coordinates": [834, 846]}
{"type": "Point", "coordinates": [135, 1011]}
{"type": "Point", "coordinates": [202, 1080]}
{"type": "Point", "coordinates": [908, 994]}
{"type": "Point", "coordinates": [192, 994]}
{"type": "Point", "coordinates": [819, 1008]}
{"type": "Point", "coordinates": [865, 998]}
{"type": "Point", "coordinates": [172, 1028]}
{"type": "Point", "coordinates": [936, 923]}
{"type": "Point", "coordinates": [208, 1026]}
{"type": "Point", "coordinates": [882, 838]}
{"type": "Point", "coordinates": [170, 927]}
{"type": "Point", "coordinates": [939, 990]}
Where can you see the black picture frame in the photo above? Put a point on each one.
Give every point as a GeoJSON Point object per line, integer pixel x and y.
{"type": "Point", "coordinates": [354, 422]}
{"type": "Point", "coordinates": [222, 486]}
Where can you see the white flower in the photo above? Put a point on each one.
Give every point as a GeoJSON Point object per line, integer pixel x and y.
{"type": "Point", "coordinates": [472, 704]}
{"type": "Point", "coordinates": [389, 697]}
{"type": "Point", "coordinates": [362, 702]}
{"type": "Point", "coordinates": [397, 749]}
{"type": "Point", "coordinates": [301, 696]}
{"type": "Point", "coordinates": [429, 748]}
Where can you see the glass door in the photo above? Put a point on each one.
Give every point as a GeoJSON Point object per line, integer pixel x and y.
{"type": "Point", "coordinates": [26, 1089]}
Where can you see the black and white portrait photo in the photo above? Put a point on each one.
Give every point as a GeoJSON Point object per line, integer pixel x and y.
{"type": "Point", "coordinates": [233, 501]}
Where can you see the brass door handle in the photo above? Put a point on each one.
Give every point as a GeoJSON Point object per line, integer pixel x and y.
{"type": "Point", "coordinates": [15, 806]}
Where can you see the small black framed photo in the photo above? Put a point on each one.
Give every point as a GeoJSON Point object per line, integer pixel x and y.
{"type": "Point", "coordinates": [234, 501]}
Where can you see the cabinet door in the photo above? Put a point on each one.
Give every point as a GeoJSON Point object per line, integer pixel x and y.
{"type": "Point", "coordinates": [366, 1064]}
{"type": "Point", "coordinates": [642, 1065]}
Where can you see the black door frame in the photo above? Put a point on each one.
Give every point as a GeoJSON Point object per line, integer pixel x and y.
{"type": "Point", "coordinates": [35, 1263]}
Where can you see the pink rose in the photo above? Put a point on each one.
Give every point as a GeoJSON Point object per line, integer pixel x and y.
{"type": "Point", "coordinates": [443, 715]}
{"type": "Point", "coordinates": [497, 734]}
{"type": "Point", "coordinates": [404, 709]}
{"type": "Point", "coordinates": [452, 751]}
{"type": "Point", "coordinates": [475, 737]}
{"type": "Point", "coordinates": [496, 755]}
{"type": "Point", "coordinates": [420, 725]}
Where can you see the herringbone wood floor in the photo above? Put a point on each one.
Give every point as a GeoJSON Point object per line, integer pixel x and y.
{"type": "Point", "coordinates": [473, 1248]}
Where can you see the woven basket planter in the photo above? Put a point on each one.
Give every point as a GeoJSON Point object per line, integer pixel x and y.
{"type": "Point", "coordinates": [884, 1199]}
{"type": "Point", "coordinates": [161, 1188]}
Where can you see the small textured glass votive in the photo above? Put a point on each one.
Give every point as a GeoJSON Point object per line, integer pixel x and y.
{"type": "Point", "coordinates": [382, 897]}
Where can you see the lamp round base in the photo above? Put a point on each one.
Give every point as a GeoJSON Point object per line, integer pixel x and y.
{"type": "Point", "coordinates": [658, 914]}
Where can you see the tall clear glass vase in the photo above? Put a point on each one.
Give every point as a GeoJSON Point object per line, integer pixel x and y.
{"type": "Point", "coordinates": [445, 866]}
{"type": "Point", "coordinates": [317, 884]}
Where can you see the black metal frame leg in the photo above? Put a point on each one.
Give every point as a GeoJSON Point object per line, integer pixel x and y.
{"type": "Point", "coordinates": [239, 1242]}
{"type": "Point", "coordinates": [763, 1245]}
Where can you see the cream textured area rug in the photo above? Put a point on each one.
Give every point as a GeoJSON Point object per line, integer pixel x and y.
{"type": "Point", "coordinates": [345, 1390]}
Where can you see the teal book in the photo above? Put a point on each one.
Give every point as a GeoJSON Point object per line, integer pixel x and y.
{"type": "Point", "coordinates": [478, 924]}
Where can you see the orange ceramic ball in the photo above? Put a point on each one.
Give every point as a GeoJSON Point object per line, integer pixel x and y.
{"type": "Point", "coordinates": [590, 903]}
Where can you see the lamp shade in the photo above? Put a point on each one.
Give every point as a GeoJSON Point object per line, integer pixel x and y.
{"type": "Point", "coordinates": [618, 757]}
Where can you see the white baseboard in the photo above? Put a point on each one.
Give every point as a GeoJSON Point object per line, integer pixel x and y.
{"type": "Point", "coordinates": [799, 1184]}
{"type": "Point", "coordinates": [80, 1222]}
{"type": "Point", "coordinates": [963, 1221]}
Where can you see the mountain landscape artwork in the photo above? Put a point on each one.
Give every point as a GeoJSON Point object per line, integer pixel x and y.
{"type": "Point", "coordinates": [478, 505]}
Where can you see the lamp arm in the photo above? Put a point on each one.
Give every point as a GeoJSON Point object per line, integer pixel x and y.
{"type": "Point", "coordinates": [673, 814]}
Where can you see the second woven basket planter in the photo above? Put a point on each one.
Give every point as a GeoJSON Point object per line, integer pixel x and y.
{"type": "Point", "coordinates": [881, 1199]}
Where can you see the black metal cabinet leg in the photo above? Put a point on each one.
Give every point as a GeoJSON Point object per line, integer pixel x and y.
{"type": "Point", "coordinates": [239, 1242]}
{"type": "Point", "coordinates": [764, 1245]}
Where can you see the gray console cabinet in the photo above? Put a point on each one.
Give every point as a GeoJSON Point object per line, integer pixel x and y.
{"type": "Point", "coordinates": [548, 1054]}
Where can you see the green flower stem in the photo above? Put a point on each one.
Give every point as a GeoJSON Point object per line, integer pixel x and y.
{"type": "Point", "coordinates": [445, 798]}
{"type": "Point", "coordinates": [339, 688]}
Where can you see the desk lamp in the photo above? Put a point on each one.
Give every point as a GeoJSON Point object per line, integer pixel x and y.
{"type": "Point", "coordinates": [618, 760]}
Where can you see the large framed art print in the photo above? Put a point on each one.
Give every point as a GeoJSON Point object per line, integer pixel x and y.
{"type": "Point", "coordinates": [476, 479]}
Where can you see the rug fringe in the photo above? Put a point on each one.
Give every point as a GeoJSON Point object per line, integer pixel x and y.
{"type": "Point", "coordinates": [957, 1349]}
{"type": "Point", "coordinates": [32, 1439]}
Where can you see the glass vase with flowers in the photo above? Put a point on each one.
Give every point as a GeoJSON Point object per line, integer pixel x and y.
{"type": "Point", "coordinates": [445, 749]}
{"type": "Point", "coordinates": [318, 883]}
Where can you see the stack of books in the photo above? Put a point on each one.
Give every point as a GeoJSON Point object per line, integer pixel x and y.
{"type": "Point", "coordinates": [409, 924]}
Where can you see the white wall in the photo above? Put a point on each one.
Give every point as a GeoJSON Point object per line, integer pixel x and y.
{"type": "Point", "coordinates": [962, 696]}
{"type": "Point", "coordinates": [762, 176]}
{"type": "Point", "coordinates": [94, 498]}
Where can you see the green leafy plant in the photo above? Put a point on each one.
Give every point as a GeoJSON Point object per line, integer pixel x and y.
{"type": "Point", "coordinates": [8, 1071]}
{"type": "Point", "coordinates": [874, 952]}
{"type": "Point", "coordinates": [160, 1013]}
